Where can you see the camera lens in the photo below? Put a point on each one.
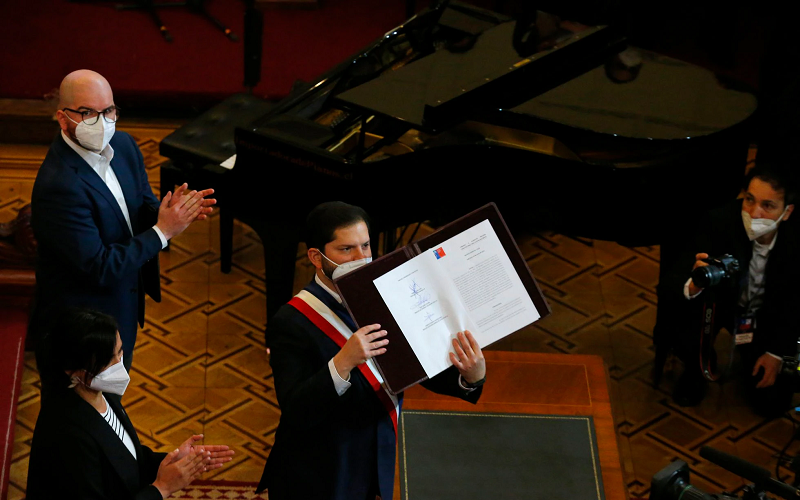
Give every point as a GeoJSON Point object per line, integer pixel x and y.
{"type": "Point", "coordinates": [707, 276]}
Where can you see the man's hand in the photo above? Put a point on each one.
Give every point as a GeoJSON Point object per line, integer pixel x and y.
{"type": "Point", "coordinates": [207, 203]}
{"type": "Point", "coordinates": [468, 358]}
{"type": "Point", "coordinates": [361, 346]}
{"type": "Point", "coordinates": [174, 218]}
{"type": "Point", "coordinates": [219, 454]}
{"type": "Point", "coordinates": [771, 366]}
{"type": "Point", "coordinates": [700, 262]}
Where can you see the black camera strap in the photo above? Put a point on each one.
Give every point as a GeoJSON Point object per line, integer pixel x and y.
{"type": "Point", "coordinates": [707, 337]}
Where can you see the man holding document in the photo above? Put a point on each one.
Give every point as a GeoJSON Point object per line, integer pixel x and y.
{"type": "Point", "coordinates": [338, 429]}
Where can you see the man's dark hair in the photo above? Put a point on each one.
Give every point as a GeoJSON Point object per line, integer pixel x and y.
{"type": "Point", "coordinates": [78, 339]}
{"type": "Point", "coordinates": [323, 221]}
{"type": "Point", "coordinates": [780, 178]}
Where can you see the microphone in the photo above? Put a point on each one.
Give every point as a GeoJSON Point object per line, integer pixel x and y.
{"type": "Point", "coordinates": [758, 475]}
{"type": "Point", "coordinates": [735, 464]}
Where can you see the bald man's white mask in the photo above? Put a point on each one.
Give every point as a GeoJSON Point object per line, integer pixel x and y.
{"type": "Point", "coordinates": [95, 137]}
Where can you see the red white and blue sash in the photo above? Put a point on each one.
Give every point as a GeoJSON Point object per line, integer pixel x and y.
{"type": "Point", "coordinates": [336, 329]}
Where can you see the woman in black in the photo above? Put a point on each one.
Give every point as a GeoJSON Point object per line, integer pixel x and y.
{"type": "Point", "coordinates": [84, 445]}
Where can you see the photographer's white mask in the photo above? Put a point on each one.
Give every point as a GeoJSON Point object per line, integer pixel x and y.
{"type": "Point", "coordinates": [113, 380]}
{"type": "Point", "coordinates": [342, 269]}
{"type": "Point", "coordinates": [94, 137]}
{"type": "Point", "coordinates": [756, 228]}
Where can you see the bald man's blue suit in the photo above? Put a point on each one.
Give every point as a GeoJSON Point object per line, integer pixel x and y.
{"type": "Point", "coordinates": [86, 253]}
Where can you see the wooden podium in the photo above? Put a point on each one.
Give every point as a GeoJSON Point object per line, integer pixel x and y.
{"type": "Point", "coordinates": [541, 384]}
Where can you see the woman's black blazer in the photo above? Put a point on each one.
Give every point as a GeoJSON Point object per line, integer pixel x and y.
{"type": "Point", "coordinates": [76, 454]}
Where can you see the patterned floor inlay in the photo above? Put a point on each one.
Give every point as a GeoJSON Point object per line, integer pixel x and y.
{"type": "Point", "coordinates": [200, 363]}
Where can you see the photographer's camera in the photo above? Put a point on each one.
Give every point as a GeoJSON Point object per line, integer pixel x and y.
{"type": "Point", "coordinates": [719, 270]}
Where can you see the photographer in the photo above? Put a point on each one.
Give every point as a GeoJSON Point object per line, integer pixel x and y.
{"type": "Point", "coordinates": [756, 303]}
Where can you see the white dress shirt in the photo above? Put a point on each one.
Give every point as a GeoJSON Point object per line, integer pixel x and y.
{"type": "Point", "coordinates": [111, 417]}
{"type": "Point", "coordinates": [753, 296]}
{"type": "Point", "coordinates": [101, 163]}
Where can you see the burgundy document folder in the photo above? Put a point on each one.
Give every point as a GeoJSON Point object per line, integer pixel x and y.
{"type": "Point", "coordinates": [399, 365]}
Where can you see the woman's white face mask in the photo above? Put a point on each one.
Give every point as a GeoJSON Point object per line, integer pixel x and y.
{"type": "Point", "coordinates": [113, 380]}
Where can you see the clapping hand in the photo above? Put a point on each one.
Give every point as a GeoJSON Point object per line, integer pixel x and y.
{"type": "Point", "coordinates": [218, 454]}
{"type": "Point", "coordinates": [177, 473]}
{"type": "Point", "coordinates": [206, 203]}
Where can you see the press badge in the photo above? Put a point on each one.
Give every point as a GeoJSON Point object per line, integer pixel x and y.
{"type": "Point", "coordinates": [744, 330]}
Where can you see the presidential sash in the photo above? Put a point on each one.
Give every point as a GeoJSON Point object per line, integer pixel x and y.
{"type": "Point", "coordinates": [332, 325]}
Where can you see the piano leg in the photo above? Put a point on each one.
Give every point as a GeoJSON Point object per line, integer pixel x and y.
{"type": "Point", "coordinates": [225, 240]}
{"type": "Point", "coordinates": [280, 257]}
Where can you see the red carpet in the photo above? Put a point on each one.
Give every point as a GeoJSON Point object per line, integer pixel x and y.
{"type": "Point", "coordinates": [43, 40]}
{"type": "Point", "coordinates": [13, 324]}
{"type": "Point", "coordinates": [228, 490]}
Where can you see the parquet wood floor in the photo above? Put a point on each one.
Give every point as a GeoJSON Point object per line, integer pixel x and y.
{"type": "Point", "coordinates": [200, 364]}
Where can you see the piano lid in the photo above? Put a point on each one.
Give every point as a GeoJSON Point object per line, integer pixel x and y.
{"type": "Point", "coordinates": [500, 67]}
{"type": "Point", "coordinates": [652, 97]}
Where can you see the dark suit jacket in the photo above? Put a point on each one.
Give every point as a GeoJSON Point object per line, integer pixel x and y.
{"type": "Point", "coordinates": [86, 254]}
{"type": "Point", "coordinates": [76, 454]}
{"type": "Point", "coordinates": [722, 231]}
{"type": "Point", "coordinates": [329, 446]}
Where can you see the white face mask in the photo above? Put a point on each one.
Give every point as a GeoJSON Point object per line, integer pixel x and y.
{"type": "Point", "coordinates": [95, 137]}
{"type": "Point", "coordinates": [756, 228]}
{"type": "Point", "coordinates": [342, 269]}
{"type": "Point", "coordinates": [113, 379]}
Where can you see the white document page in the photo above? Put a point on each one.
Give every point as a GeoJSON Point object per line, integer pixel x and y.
{"type": "Point", "coordinates": [466, 283]}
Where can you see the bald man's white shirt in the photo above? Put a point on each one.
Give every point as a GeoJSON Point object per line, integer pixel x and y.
{"type": "Point", "coordinates": [101, 164]}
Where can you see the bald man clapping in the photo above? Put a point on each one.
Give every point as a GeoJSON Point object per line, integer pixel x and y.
{"type": "Point", "coordinates": [98, 225]}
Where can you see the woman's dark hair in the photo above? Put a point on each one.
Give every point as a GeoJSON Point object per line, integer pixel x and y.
{"type": "Point", "coordinates": [78, 339]}
{"type": "Point", "coordinates": [327, 217]}
{"type": "Point", "coordinates": [780, 178]}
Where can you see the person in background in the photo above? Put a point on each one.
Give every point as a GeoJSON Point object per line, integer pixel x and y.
{"type": "Point", "coordinates": [757, 305]}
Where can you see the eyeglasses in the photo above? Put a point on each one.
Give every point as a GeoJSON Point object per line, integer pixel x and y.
{"type": "Point", "coordinates": [90, 116]}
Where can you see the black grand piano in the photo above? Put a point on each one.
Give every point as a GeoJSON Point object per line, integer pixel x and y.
{"type": "Point", "coordinates": [561, 124]}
